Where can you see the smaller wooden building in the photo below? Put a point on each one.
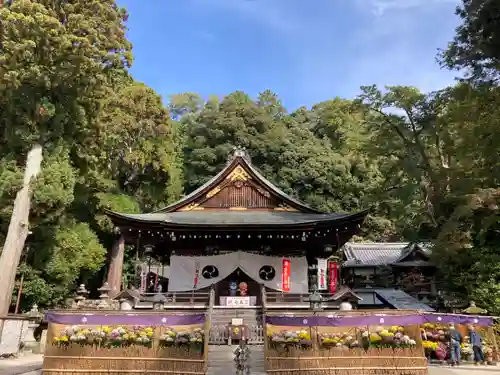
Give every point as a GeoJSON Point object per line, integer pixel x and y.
{"type": "Point", "coordinates": [397, 274]}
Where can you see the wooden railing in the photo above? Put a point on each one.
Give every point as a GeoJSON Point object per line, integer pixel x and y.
{"type": "Point", "coordinates": [178, 298]}
{"type": "Point", "coordinates": [220, 334]}
{"type": "Point", "coordinates": [256, 334]}
{"type": "Point", "coordinates": [283, 298]}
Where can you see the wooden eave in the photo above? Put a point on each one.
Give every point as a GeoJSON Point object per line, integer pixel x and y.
{"type": "Point", "coordinates": [331, 221]}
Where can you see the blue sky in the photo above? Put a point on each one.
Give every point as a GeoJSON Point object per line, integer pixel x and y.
{"type": "Point", "coordinates": [306, 51]}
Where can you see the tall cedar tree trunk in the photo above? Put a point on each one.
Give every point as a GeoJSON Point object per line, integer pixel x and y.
{"type": "Point", "coordinates": [17, 233]}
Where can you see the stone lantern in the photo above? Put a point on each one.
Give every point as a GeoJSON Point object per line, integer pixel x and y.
{"type": "Point", "coordinates": [158, 302]}
{"type": "Point", "coordinates": [104, 296]}
{"type": "Point", "coordinates": [81, 295]}
{"type": "Point", "coordinates": [315, 301]}
{"type": "Point", "coordinates": [345, 306]}
{"type": "Point", "coordinates": [34, 316]}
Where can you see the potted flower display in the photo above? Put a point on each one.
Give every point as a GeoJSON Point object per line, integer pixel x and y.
{"type": "Point", "coordinates": [466, 351]}
{"type": "Point", "coordinates": [434, 341]}
{"type": "Point", "coordinates": [338, 340]}
{"type": "Point", "coordinates": [393, 337]}
{"type": "Point", "coordinates": [290, 339]}
{"type": "Point", "coordinates": [430, 347]}
{"type": "Point", "coordinates": [488, 352]}
{"type": "Point", "coordinates": [193, 339]}
{"type": "Point", "coordinates": [105, 336]}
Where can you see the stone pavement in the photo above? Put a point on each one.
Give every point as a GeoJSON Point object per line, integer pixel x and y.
{"type": "Point", "coordinates": [464, 370]}
{"type": "Point", "coordinates": [32, 364]}
{"type": "Point", "coordinates": [27, 364]}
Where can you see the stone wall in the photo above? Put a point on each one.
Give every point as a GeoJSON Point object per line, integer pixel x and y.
{"type": "Point", "coordinates": [13, 334]}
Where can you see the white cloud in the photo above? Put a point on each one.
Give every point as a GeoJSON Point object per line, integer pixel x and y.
{"type": "Point", "coordinates": [396, 45]}
{"type": "Point", "coordinates": [381, 7]}
{"type": "Point", "coordinates": [383, 41]}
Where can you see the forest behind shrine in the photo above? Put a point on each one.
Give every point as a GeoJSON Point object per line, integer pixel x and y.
{"type": "Point", "coordinates": [427, 163]}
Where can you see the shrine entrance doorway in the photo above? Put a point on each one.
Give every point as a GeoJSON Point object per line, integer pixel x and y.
{"type": "Point", "coordinates": [238, 290]}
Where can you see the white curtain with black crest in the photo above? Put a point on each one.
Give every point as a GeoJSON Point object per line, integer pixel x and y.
{"type": "Point", "coordinates": [263, 269]}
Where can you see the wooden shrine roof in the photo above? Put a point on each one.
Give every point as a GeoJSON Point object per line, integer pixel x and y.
{"type": "Point", "coordinates": [208, 219]}
{"type": "Point", "coordinates": [374, 254]}
{"type": "Point", "coordinates": [238, 196]}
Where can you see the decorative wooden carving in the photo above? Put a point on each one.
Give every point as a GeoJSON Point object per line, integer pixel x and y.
{"type": "Point", "coordinates": [265, 193]}
{"type": "Point", "coordinates": [240, 194]}
{"type": "Point", "coordinates": [238, 174]}
{"type": "Point", "coordinates": [192, 207]}
{"type": "Point", "coordinates": [213, 192]}
{"type": "Point", "coordinates": [285, 207]}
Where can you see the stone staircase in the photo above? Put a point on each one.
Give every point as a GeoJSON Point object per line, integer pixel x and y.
{"type": "Point", "coordinates": [221, 360]}
{"type": "Point", "coordinates": [257, 360]}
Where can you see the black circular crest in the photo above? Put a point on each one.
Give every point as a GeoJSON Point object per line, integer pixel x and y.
{"type": "Point", "coordinates": [210, 272]}
{"type": "Point", "coordinates": [267, 273]}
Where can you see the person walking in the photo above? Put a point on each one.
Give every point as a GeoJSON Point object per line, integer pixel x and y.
{"type": "Point", "coordinates": [455, 341]}
{"type": "Point", "coordinates": [476, 342]}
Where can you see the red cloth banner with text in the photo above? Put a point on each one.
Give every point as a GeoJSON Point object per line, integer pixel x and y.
{"type": "Point", "coordinates": [285, 275]}
{"type": "Point", "coordinates": [333, 271]}
{"type": "Point", "coordinates": [196, 273]}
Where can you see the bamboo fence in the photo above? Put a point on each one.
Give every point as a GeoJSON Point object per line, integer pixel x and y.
{"type": "Point", "coordinates": [134, 359]}
{"type": "Point", "coordinates": [344, 361]}
{"type": "Point", "coordinates": [319, 360]}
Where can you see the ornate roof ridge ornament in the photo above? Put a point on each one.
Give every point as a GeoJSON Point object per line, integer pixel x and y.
{"type": "Point", "coordinates": [240, 152]}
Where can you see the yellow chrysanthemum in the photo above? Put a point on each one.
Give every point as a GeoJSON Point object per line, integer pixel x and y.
{"type": "Point", "coordinates": [375, 338]}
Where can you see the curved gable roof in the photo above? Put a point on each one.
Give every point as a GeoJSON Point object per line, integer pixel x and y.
{"type": "Point", "coordinates": [239, 159]}
{"type": "Point", "coordinates": [291, 212]}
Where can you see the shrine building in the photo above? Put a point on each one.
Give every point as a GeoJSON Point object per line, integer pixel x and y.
{"type": "Point", "coordinates": [238, 235]}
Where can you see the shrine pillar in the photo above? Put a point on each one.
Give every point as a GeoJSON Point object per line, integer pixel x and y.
{"type": "Point", "coordinates": [115, 270]}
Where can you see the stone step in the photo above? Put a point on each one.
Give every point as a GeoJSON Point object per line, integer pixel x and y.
{"type": "Point", "coordinates": [222, 363]}
{"type": "Point", "coordinates": [221, 359]}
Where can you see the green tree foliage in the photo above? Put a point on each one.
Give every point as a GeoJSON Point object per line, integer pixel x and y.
{"type": "Point", "coordinates": [312, 155]}
{"type": "Point", "coordinates": [107, 141]}
{"type": "Point", "coordinates": [56, 59]}
{"type": "Point", "coordinates": [476, 46]}
{"type": "Point", "coordinates": [467, 249]}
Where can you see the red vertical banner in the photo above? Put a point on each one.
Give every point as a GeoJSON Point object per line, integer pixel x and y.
{"type": "Point", "coordinates": [285, 275]}
{"type": "Point", "coordinates": [196, 273]}
{"type": "Point", "coordinates": [156, 277]}
{"type": "Point", "coordinates": [334, 275]}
